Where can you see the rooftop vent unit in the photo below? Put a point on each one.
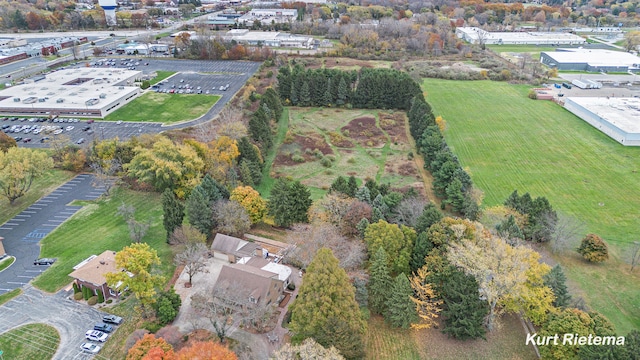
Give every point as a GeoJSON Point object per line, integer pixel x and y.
{"type": "Point", "coordinates": [103, 96]}
{"type": "Point", "coordinates": [60, 100]}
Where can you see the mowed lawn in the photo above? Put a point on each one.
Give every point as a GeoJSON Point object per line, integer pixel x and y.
{"type": "Point", "coordinates": [165, 108]}
{"type": "Point", "coordinates": [508, 142]}
{"type": "Point", "coordinates": [96, 228]}
{"type": "Point", "coordinates": [30, 342]}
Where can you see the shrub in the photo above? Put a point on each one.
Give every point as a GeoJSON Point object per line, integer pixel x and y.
{"type": "Point", "coordinates": [326, 162]}
{"type": "Point", "coordinates": [533, 95]}
{"type": "Point", "coordinates": [100, 296]}
{"type": "Point", "coordinates": [593, 248]}
{"type": "Point", "coordinates": [145, 84]}
{"type": "Point", "coordinates": [76, 289]}
{"type": "Point", "coordinates": [86, 293]}
{"type": "Point", "coordinates": [92, 300]}
{"type": "Point", "coordinates": [109, 301]}
{"type": "Point", "coordinates": [351, 161]}
{"type": "Point", "coordinates": [291, 286]}
{"type": "Point", "coordinates": [151, 326]}
{"type": "Point", "coordinates": [297, 158]}
{"type": "Point", "coordinates": [77, 296]}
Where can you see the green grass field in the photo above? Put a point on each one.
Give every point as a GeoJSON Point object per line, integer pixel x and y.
{"type": "Point", "coordinates": [30, 342]}
{"type": "Point", "coordinates": [165, 108]}
{"type": "Point", "coordinates": [96, 228]}
{"type": "Point", "coordinates": [6, 262]}
{"type": "Point", "coordinates": [161, 75]}
{"type": "Point", "coordinates": [508, 142]}
{"type": "Point", "coordinates": [41, 186]}
{"type": "Point", "coordinates": [379, 159]}
{"type": "Point", "coordinates": [534, 50]}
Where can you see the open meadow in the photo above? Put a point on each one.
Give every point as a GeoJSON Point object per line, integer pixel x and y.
{"type": "Point", "coordinates": [30, 342]}
{"type": "Point", "coordinates": [322, 144]}
{"type": "Point", "coordinates": [507, 141]}
{"type": "Point", "coordinates": [96, 228]}
{"type": "Point", "coordinates": [164, 108]}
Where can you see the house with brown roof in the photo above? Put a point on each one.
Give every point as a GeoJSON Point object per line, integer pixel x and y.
{"type": "Point", "coordinates": [231, 248]}
{"type": "Point", "coordinates": [262, 286]}
{"type": "Point", "coordinates": [91, 272]}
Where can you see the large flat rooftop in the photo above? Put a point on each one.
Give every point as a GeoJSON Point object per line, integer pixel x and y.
{"type": "Point", "coordinates": [623, 113]}
{"type": "Point", "coordinates": [90, 90]}
{"type": "Point", "coordinates": [594, 57]}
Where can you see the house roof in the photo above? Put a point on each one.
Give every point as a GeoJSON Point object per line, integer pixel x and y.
{"type": "Point", "coordinates": [94, 270]}
{"type": "Point", "coordinates": [255, 280]}
{"type": "Point", "coordinates": [284, 272]}
{"type": "Point", "coordinates": [231, 245]}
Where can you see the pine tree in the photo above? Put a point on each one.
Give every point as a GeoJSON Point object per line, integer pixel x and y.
{"type": "Point", "coordinates": [401, 310]}
{"type": "Point", "coordinates": [352, 186]}
{"type": "Point", "coordinates": [556, 280]}
{"type": "Point", "coordinates": [382, 207]}
{"type": "Point", "coordinates": [245, 173]}
{"type": "Point", "coordinates": [214, 190]}
{"type": "Point", "coordinates": [343, 92]}
{"type": "Point", "coordinates": [363, 194]}
{"type": "Point", "coordinates": [249, 152]}
{"type": "Point", "coordinates": [420, 250]}
{"type": "Point", "coordinates": [327, 98]}
{"type": "Point", "coordinates": [284, 82]}
{"type": "Point", "coordinates": [339, 185]}
{"type": "Point", "coordinates": [455, 196]}
{"type": "Point", "coordinates": [199, 211]}
{"type": "Point", "coordinates": [289, 202]}
{"type": "Point", "coordinates": [463, 310]}
{"type": "Point", "coordinates": [305, 94]}
{"type": "Point", "coordinates": [379, 282]}
{"type": "Point", "coordinates": [430, 215]}
{"type": "Point", "coordinates": [173, 212]}
{"type": "Point", "coordinates": [424, 298]}
{"type": "Point", "coordinates": [326, 309]}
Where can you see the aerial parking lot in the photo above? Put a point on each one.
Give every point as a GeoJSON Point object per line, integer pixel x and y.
{"type": "Point", "coordinates": [211, 83]}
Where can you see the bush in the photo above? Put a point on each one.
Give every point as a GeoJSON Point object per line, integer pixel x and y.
{"type": "Point", "coordinates": [297, 158]}
{"type": "Point", "coordinates": [100, 296]}
{"type": "Point", "coordinates": [326, 162]}
{"type": "Point", "coordinates": [109, 301]}
{"type": "Point", "coordinates": [533, 95]}
{"type": "Point", "coordinates": [145, 84]}
{"type": "Point", "coordinates": [291, 286]}
{"type": "Point", "coordinates": [593, 248]}
{"type": "Point", "coordinates": [77, 296]}
{"type": "Point", "coordinates": [151, 326]}
{"type": "Point", "coordinates": [86, 293]}
{"type": "Point", "coordinates": [76, 289]}
{"type": "Point", "coordinates": [167, 306]}
{"type": "Point", "coordinates": [92, 300]}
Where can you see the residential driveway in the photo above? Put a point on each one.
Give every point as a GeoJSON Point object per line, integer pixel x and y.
{"type": "Point", "coordinates": [70, 318]}
{"type": "Point", "coordinates": [23, 233]}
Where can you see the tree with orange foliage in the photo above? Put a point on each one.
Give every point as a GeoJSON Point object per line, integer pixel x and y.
{"type": "Point", "coordinates": [209, 350]}
{"type": "Point", "coordinates": [142, 348]}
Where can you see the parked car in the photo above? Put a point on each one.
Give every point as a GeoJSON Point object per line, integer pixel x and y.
{"type": "Point", "coordinates": [567, 85]}
{"type": "Point", "coordinates": [44, 261]}
{"type": "Point", "coordinates": [103, 327]}
{"type": "Point", "coordinates": [95, 335]}
{"type": "Point", "coordinates": [112, 319]}
{"type": "Point", "coordinates": [90, 348]}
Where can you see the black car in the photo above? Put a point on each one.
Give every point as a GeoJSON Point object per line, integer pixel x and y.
{"type": "Point", "coordinates": [44, 261]}
{"type": "Point", "coordinates": [567, 85]}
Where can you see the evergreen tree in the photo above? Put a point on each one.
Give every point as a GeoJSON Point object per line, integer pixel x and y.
{"type": "Point", "coordinates": [271, 99]}
{"type": "Point", "coordinates": [305, 94]}
{"type": "Point", "coordinates": [363, 194]}
{"type": "Point", "coordinates": [289, 202]}
{"type": "Point", "coordinates": [509, 229]}
{"type": "Point", "coordinates": [463, 310]}
{"type": "Point", "coordinates": [214, 189]}
{"type": "Point", "coordinates": [173, 212]}
{"type": "Point", "coordinates": [430, 215]}
{"type": "Point", "coordinates": [420, 250]}
{"type": "Point", "coordinates": [284, 82]}
{"type": "Point", "coordinates": [199, 210]}
{"type": "Point", "coordinates": [379, 282]}
{"type": "Point", "coordinates": [245, 173]}
{"type": "Point", "coordinates": [556, 280]}
{"type": "Point", "coordinates": [340, 185]}
{"type": "Point", "coordinates": [381, 206]}
{"type": "Point", "coordinates": [326, 309]}
{"type": "Point", "coordinates": [352, 186]}
{"type": "Point", "coordinates": [401, 310]}
{"type": "Point", "coordinates": [327, 98]}
{"type": "Point", "coordinates": [343, 92]}
{"type": "Point", "coordinates": [249, 152]}
{"type": "Point", "coordinates": [362, 226]}
{"type": "Point", "coordinates": [455, 196]}
{"type": "Point", "coordinates": [260, 130]}
{"type": "Point", "coordinates": [373, 188]}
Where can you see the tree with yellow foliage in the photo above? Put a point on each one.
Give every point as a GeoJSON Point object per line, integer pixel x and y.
{"type": "Point", "coordinates": [251, 201]}
{"type": "Point", "coordinates": [223, 153]}
{"type": "Point", "coordinates": [425, 299]}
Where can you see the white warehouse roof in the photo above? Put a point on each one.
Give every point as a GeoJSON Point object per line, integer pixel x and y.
{"type": "Point", "coordinates": [594, 57]}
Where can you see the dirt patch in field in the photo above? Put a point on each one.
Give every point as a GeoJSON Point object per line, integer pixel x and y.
{"type": "Point", "coordinates": [393, 124]}
{"type": "Point", "coordinates": [339, 140]}
{"type": "Point", "coordinates": [306, 148]}
{"type": "Point", "coordinates": [404, 168]}
{"type": "Point", "coordinates": [364, 131]}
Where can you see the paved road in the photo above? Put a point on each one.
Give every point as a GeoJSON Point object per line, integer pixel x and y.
{"type": "Point", "coordinates": [23, 233]}
{"type": "Point", "coordinates": [70, 318]}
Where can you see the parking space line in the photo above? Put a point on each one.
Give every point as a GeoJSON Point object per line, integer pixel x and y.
{"type": "Point", "coordinates": [14, 219]}
{"type": "Point", "coordinates": [25, 276]}
{"type": "Point", "coordinates": [46, 201]}
{"type": "Point", "coordinates": [35, 208]}
{"type": "Point", "coordinates": [11, 224]}
{"type": "Point", "coordinates": [54, 225]}
{"type": "Point", "coordinates": [17, 283]}
{"type": "Point", "coordinates": [5, 228]}
{"type": "Point", "coordinates": [23, 215]}
{"type": "Point", "coordinates": [29, 212]}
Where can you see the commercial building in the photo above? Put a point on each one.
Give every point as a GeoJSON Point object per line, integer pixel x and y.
{"type": "Point", "coordinates": [475, 35]}
{"type": "Point", "coordinates": [269, 38]}
{"type": "Point", "coordinates": [82, 92]}
{"type": "Point", "coordinates": [596, 60]}
{"type": "Point", "coordinates": [266, 16]}
{"type": "Point", "coordinates": [619, 118]}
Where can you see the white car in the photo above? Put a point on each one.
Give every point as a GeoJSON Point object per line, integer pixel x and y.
{"type": "Point", "coordinates": [95, 335]}
{"type": "Point", "coordinates": [69, 128]}
{"type": "Point", "coordinates": [57, 132]}
{"type": "Point", "coordinates": [90, 348]}
{"type": "Point", "coordinates": [118, 122]}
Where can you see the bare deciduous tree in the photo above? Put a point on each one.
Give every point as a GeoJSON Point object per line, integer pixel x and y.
{"type": "Point", "coordinates": [634, 254]}
{"type": "Point", "coordinates": [193, 259]}
{"type": "Point", "coordinates": [104, 172]}
{"type": "Point", "coordinates": [567, 234]}
{"type": "Point", "coordinates": [308, 239]}
{"type": "Point", "coordinates": [408, 211]}
{"type": "Point", "coordinates": [137, 229]}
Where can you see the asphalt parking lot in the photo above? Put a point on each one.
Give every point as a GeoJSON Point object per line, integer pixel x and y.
{"type": "Point", "coordinates": [23, 233]}
{"type": "Point", "coordinates": [70, 318]}
{"type": "Point", "coordinates": [208, 75]}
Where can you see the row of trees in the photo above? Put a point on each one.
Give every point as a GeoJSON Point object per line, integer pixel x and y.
{"type": "Point", "coordinates": [376, 88]}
